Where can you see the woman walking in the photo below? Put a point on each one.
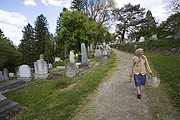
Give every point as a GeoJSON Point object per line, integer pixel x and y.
{"type": "Point", "coordinates": [139, 68]}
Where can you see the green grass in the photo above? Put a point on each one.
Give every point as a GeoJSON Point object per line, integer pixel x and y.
{"type": "Point", "coordinates": [46, 100]}
{"type": "Point", "coordinates": [165, 99]}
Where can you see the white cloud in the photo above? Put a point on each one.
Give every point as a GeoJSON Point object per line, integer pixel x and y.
{"type": "Point", "coordinates": [64, 3]}
{"type": "Point", "coordinates": [30, 2]}
{"type": "Point", "coordinates": [45, 2]}
{"type": "Point", "coordinates": [12, 18]}
{"type": "Point", "coordinates": [12, 32]}
{"type": "Point", "coordinates": [12, 23]}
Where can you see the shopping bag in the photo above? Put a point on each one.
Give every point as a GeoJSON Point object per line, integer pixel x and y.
{"type": "Point", "coordinates": [154, 82]}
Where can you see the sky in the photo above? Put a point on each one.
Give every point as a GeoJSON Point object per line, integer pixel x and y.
{"type": "Point", "coordinates": [16, 14]}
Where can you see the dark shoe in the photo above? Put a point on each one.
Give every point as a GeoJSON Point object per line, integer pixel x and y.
{"type": "Point", "coordinates": [139, 96]}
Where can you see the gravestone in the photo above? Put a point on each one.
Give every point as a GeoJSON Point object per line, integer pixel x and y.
{"type": "Point", "coordinates": [84, 58]}
{"type": "Point", "coordinates": [50, 65]}
{"type": "Point", "coordinates": [71, 56]}
{"type": "Point", "coordinates": [41, 68]}
{"type": "Point", "coordinates": [11, 74]}
{"type": "Point", "coordinates": [175, 51]}
{"type": "Point", "coordinates": [24, 72]}
{"type": "Point", "coordinates": [91, 47]}
{"type": "Point", "coordinates": [17, 71]}
{"type": "Point", "coordinates": [105, 55]}
{"type": "Point", "coordinates": [57, 59]}
{"type": "Point", "coordinates": [6, 74]}
{"type": "Point", "coordinates": [97, 53]}
{"type": "Point", "coordinates": [154, 36]}
{"type": "Point", "coordinates": [1, 75]}
{"type": "Point", "coordinates": [71, 69]}
{"type": "Point", "coordinates": [141, 39]}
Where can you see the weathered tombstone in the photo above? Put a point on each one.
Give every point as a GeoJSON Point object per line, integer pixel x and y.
{"type": "Point", "coordinates": [104, 44]}
{"type": "Point", "coordinates": [105, 55]}
{"type": "Point", "coordinates": [1, 75]}
{"type": "Point", "coordinates": [49, 65]}
{"type": "Point", "coordinates": [6, 74]}
{"type": "Point", "coordinates": [24, 72]}
{"type": "Point", "coordinates": [71, 56]}
{"type": "Point", "coordinates": [141, 39]}
{"type": "Point", "coordinates": [91, 48]}
{"type": "Point", "coordinates": [41, 68]}
{"type": "Point", "coordinates": [17, 71]}
{"type": "Point", "coordinates": [57, 59]}
{"type": "Point", "coordinates": [175, 51]}
{"type": "Point", "coordinates": [97, 53]}
{"type": "Point", "coordinates": [71, 69]}
{"type": "Point", "coordinates": [11, 74]}
{"type": "Point", "coordinates": [154, 36]}
{"type": "Point", "coordinates": [84, 58]}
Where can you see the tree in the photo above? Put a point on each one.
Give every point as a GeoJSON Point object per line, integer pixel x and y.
{"type": "Point", "coordinates": [169, 27]}
{"type": "Point", "coordinates": [58, 26]}
{"type": "Point", "coordinates": [149, 26]}
{"type": "Point", "coordinates": [172, 6]}
{"type": "Point", "coordinates": [27, 45]}
{"type": "Point", "coordinates": [42, 36]}
{"type": "Point", "coordinates": [77, 5]}
{"type": "Point", "coordinates": [76, 28]}
{"type": "Point", "coordinates": [99, 10]}
{"type": "Point", "coordinates": [9, 56]}
{"type": "Point", "coordinates": [129, 17]}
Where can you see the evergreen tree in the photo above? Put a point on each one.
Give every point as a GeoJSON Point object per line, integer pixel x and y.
{"type": "Point", "coordinates": [27, 45]}
{"type": "Point", "coordinates": [149, 26]}
{"type": "Point", "coordinates": [42, 36]}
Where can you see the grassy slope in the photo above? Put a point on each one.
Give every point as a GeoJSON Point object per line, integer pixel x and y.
{"type": "Point", "coordinates": [165, 101]}
{"type": "Point", "coordinates": [45, 99]}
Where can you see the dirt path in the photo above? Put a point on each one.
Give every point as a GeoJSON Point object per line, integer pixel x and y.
{"type": "Point", "coordinates": [116, 98]}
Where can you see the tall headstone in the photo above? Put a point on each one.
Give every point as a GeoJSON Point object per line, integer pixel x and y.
{"type": "Point", "coordinates": [6, 74]}
{"type": "Point", "coordinates": [71, 56]}
{"type": "Point", "coordinates": [24, 72]}
{"type": "Point", "coordinates": [84, 58]}
{"type": "Point", "coordinates": [41, 68]}
{"type": "Point", "coordinates": [1, 75]}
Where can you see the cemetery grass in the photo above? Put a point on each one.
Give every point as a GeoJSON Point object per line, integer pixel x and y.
{"type": "Point", "coordinates": [53, 100]}
{"type": "Point", "coordinates": [165, 100]}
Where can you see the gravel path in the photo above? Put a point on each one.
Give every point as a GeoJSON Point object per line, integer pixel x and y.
{"type": "Point", "coordinates": [116, 98]}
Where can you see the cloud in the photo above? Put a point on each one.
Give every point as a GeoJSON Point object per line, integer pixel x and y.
{"type": "Point", "coordinates": [30, 2]}
{"type": "Point", "coordinates": [12, 18]}
{"type": "Point", "coordinates": [12, 23]}
{"type": "Point", "coordinates": [12, 32]}
{"type": "Point", "coordinates": [64, 3]}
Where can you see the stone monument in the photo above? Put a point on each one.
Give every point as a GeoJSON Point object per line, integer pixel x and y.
{"type": "Point", "coordinates": [84, 58]}
{"type": "Point", "coordinates": [41, 68]}
{"type": "Point", "coordinates": [71, 56]}
{"type": "Point", "coordinates": [5, 74]}
{"type": "Point", "coordinates": [25, 72]}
